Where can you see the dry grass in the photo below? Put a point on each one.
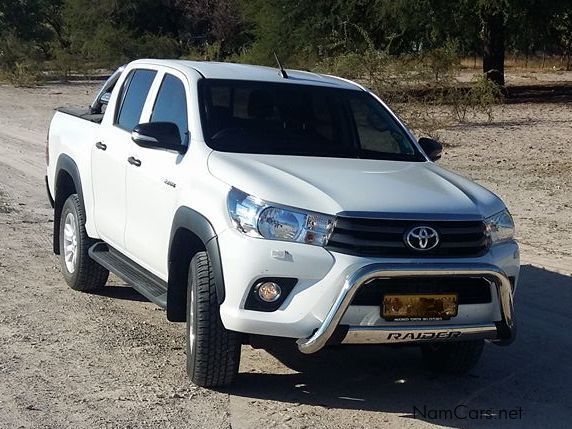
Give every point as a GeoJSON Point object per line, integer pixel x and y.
{"type": "Point", "coordinates": [520, 63]}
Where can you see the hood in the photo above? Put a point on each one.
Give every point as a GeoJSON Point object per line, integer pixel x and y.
{"type": "Point", "coordinates": [334, 185]}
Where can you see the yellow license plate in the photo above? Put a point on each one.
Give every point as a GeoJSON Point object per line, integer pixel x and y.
{"type": "Point", "coordinates": [431, 306]}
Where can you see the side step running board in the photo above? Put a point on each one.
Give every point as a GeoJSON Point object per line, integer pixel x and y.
{"type": "Point", "coordinates": [146, 283]}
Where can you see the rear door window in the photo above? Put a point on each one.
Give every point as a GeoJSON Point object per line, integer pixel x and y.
{"type": "Point", "coordinates": [171, 105]}
{"type": "Point", "coordinates": [135, 92]}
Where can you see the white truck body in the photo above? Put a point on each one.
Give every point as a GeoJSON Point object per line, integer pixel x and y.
{"type": "Point", "coordinates": [134, 210]}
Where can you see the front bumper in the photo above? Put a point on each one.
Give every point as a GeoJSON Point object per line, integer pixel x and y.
{"type": "Point", "coordinates": [502, 332]}
{"type": "Point", "coordinates": [318, 311]}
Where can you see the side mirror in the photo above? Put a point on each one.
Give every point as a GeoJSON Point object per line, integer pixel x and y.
{"type": "Point", "coordinates": [432, 148]}
{"type": "Point", "coordinates": [158, 135]}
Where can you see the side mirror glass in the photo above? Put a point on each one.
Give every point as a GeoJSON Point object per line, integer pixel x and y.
{"type": "Point", "coordinates": [432, 148]}
{"type": "Point", "coordinates": [158, 135]}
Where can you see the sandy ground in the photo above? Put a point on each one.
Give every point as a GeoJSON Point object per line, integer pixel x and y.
{"type": "Point", "coordinates": [524, 156]}
{"type": "Point", "coordinates": [72, 360]}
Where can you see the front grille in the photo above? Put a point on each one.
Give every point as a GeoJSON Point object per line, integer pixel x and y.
{"type": "Point", "coordinates": [386, 238]}
{"type": "Point", "coordinates": [469, 290]}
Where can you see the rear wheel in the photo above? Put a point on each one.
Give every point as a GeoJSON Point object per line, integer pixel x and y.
{"type": "Point", "coordinates": [80, 271]}
{"type": "Point", "coordinates": [453, 358]}
{"type": "Point", "coordinates": [213, 352]}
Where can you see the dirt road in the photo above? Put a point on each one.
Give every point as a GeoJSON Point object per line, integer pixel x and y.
{"type": "Point", "coordinates": [72, 360]}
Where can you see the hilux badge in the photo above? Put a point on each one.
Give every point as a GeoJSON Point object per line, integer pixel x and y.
{"type": "Point", "coordinates": [422, 238]}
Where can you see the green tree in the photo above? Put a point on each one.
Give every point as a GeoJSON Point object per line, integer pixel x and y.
{"type": "Point", "coordinates": [212, 22]}
{"type": "Point", "coordinates": [563, 33]}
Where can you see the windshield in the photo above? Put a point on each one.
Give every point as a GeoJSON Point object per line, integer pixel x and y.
{"type": "Point", "coordinates": [291, 119]}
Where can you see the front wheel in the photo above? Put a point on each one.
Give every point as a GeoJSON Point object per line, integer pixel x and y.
{"type": "Point", "coordinates": [213, 352]}
{"type": "Point", "coordinates": [80, 271]}
{"type": "Point", "coordinates": [453, 358]}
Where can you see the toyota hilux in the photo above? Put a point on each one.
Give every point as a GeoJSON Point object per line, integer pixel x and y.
{"type": "Point", "coordinates": [253, 201]}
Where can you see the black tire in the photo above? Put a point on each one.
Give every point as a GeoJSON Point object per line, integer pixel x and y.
{"type": "Point", "coordinates": [453, 358]}
{"type": "Point", "coordinates": [87, 275]}
{"type": "Point", "coordinates": [213, 352]}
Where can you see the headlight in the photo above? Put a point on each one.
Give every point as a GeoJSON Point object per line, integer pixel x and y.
{"type": "Point", "coordinates": [259, 218]}
{"type": "Point", "coordinates": [500, 227]}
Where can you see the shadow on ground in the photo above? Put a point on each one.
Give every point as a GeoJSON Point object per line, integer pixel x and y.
{"type": "Point", "coordinates": [124, 292]}
{"type": "Point", "coordinates": [517, 123]}
{"type": "Point", "coordinates": [548, 93]}
{"type": "Point", "coordinates": [533, 374]}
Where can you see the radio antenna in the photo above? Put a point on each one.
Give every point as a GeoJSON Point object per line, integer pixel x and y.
{"type": "Point", "coordinates": [282, 70]}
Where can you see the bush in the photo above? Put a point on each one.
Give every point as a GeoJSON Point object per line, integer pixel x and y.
{"type": "Point", "coordinates": [211, 52]}
{"type": "Point", "coordinates": [24, 74]}
{"type": "Point", "coordinates": [109, 46]}
{"type": "Point", "coordinates": [443, 62]}
{"type": "Point", "coordinates": [349, 65]}
{"type": "Point", "coordinates": [19, 61]}
{"type": "Point", "coordinates": [480, 97]}
{"type": "Point", "coordinates": [404, 83]}
{"type": "Point", "coordinates": [14, 50]}
{"type": "Point", "coordinates": [422, 89]}
{"type": "Point", "coordinates": [65, 63]}
{"type": "Point", "coordinates": [154, 46]}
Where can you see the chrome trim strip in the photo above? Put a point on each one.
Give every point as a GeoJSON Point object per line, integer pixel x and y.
{"type": "Point", "coordinates": [505, 332]}
{"type": "Point", "coordinates": [415, 334]}
{"type": "Point", "coordinates": [427, 217]}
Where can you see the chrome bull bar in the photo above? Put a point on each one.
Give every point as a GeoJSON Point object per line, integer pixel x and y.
{"type": "Point", "coordinates": [502, 332]}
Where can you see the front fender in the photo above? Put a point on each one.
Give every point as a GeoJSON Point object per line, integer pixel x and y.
{"type": "Point", "coordinates": [194, 222]}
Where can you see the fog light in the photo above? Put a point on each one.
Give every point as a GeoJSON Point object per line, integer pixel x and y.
{"type": "Point", "coordinates": [269, 291]}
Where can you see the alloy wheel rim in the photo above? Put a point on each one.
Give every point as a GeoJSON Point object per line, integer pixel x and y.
{"type": "Point", "coordinates": [70, 243]}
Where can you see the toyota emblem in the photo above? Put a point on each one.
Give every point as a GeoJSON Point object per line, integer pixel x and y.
{"type": "Point", "coordinates": [422, 238]}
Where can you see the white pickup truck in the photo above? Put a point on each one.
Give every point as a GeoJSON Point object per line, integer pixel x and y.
{"type": "Point", "coordinates": [248, 201]}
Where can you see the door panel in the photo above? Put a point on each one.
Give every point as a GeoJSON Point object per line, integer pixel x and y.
{"type": "Point", "coordinates": [151, 196]}
{"type": "Point", "coordinates": [152, 188]}
{"type": "Point", "coordinates": [109, 158]}
{"type": "Point", "coordinates": [108, 175]}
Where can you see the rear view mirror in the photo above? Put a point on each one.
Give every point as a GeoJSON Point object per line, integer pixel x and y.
{"type": "Point", "coordinates": [158, 135]}
{"type": "Point", "coordinates": [432, 148]}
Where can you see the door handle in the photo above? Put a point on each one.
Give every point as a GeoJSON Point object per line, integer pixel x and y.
{"type": "Point", "coordinates": [134, 161]}
{"type": "Point", "coordinates": [101, 146]}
